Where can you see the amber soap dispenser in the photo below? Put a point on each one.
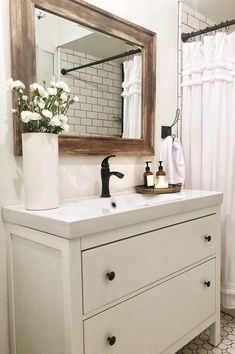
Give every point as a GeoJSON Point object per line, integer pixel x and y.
{"type": "Point", "coordinates": [161, 178]}
{"type": "Point", "coordinates": [148, 176]}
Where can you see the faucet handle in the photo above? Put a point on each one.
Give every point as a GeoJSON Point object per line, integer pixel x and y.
{"type": "Point", "coordinates": [105, 162]}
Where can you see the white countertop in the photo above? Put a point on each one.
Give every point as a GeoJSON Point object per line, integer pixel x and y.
{"type": "Point", "coordinates": [83, 216]}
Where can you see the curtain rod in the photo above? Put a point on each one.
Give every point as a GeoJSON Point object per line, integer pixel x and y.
{"type": "Point", "coordinates": [186, 36]}
{"type": "Point", "coordinates": [125, 54]}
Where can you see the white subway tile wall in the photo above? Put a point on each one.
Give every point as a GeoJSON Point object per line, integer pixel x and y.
{"type": "Point", "coordinates": [188, 21]}
{"type": "Point", "coordinates": [99, 110]}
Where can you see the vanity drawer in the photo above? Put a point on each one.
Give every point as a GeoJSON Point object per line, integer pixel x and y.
{"type": "Point", "coordinates": [141, 260]}
{"type": "Point", "coordinates": [155, 319]}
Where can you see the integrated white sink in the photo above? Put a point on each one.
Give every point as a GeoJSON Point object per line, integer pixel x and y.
{"type": "Point", "coordinates": [84, 216]}
{"type": "Point", "coordinates": [88, 208]}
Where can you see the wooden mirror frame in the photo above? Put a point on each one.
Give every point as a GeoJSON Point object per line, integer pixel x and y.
{"type": "Point", "coordinates": [23, 51]}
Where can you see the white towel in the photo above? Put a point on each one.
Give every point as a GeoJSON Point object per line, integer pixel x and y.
{"type": "Point", "coordinates": [171, 154]}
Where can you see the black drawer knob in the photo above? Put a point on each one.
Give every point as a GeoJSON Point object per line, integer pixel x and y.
{"type": "Point", "coordinates": [112, 340]}
{"type": "Point", "coordinates": [208, 238]}
{"type": "Point", "coordinates": [110, 275]}
{"type": "Point", "coordinates": [207, 284]}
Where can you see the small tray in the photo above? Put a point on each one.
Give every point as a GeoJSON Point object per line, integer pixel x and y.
{"type": "Point", "coordinates": [144, 190]}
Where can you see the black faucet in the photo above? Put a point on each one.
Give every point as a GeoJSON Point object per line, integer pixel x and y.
{"type": "Point", "coordinates": [105, 176]}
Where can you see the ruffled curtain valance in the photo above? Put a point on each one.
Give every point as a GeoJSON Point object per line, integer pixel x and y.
{"type": "Point", "coordinates": [210, 60]}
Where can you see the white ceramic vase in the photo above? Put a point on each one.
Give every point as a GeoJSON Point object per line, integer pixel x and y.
{"type": "Point", "coordinates": [40, 164]}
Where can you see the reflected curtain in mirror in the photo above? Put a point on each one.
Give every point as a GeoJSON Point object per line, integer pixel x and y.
{"type": "Point", "coordinates": [132, 98]}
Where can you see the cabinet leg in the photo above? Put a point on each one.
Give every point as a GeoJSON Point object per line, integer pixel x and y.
{"type": "Point", "coordinates": [214, 333]}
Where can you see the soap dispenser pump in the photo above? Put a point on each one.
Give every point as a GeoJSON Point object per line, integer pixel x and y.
{"type": "Point", "coordinates": [161, 178]}
{"type": "Point", "coordinates": [148, 176]}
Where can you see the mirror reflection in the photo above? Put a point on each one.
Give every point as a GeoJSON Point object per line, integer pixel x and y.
{"type": "Point", "coordinates": [103, 71]}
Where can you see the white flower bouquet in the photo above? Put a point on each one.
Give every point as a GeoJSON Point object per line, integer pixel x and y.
{"type": "Point", "coordinates": [45, 110]}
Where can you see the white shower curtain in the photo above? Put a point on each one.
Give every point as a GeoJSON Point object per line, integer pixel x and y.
{"type": "Point", "coordinates": [209, 135]}
{"type": "Point", "coordinates": [132, 98]}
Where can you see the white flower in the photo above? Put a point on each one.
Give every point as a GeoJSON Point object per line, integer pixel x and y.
{"type": "Point", "coordinates": [55, 121]}
{"type": "Point", "coordinates": [64, 97]}
{"type": "Point", "coordinates": [63, 118]}
{"type": "Point", "coordinates": [76, 98]}
{"type": "Point", "coordinates": [40, 89]}
{"type": "Point", "coordinates": [61, 85]}
{"type": "Point", "coordinates": [18, 85]}
{"type": "Point", "coordinates": [24, 98]}
{"type": "Point", "coordinates": [36, 116]}
{"type": "Point", "coordinates": [35, 87]}
{"type": "Point", "coordinates": [20, 90]}
{"type": "Point", "coordinates": [11, 84]}
{"type": "Point", "coordinates": [26, 116]}
{"type": "Point", "coordinates": [65, 127]}
{"type": "Point", "coordinates": [45, 94]}
{"type": "Point", "coordinates": [52, 91]}
{"type": "Point", "coordinates": [56, 103]}
{"type": "Point", "coordinates": [41, 104]}
{"type": "Point", "coordinates": [47, 113]}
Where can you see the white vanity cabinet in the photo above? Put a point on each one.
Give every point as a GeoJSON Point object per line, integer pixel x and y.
{"type": "Point", "coordinates": [143, 287]}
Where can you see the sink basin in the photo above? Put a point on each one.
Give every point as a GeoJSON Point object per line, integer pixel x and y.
{"type": "Point", "coordinates": [95, 206]}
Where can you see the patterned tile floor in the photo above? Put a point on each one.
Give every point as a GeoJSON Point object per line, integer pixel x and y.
{"type": "Point", "coordinates": [200, 344]}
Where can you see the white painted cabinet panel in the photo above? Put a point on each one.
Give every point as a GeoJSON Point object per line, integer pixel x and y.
{"type": "Point", "coordinates": [149, 322]}
{"type": "Point", "coordinates": [141, 260]}
{"type": "Point", "coordinates": [38, 294]}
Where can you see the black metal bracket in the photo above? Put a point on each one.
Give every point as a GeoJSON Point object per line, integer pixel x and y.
{"type": "Point", "coordinates": [167, 129]}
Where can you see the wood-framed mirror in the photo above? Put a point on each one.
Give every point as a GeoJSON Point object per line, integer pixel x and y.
{"type": "Point", "coordinates": [105, 101]}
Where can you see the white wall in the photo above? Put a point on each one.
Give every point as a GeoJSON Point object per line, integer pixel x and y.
{"type": "Point", "coordinates": [81, 175]}
{"type": "Point", "coordinates": [10, 167]}
{"type": "Point", "coordinates": [53, 31]}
